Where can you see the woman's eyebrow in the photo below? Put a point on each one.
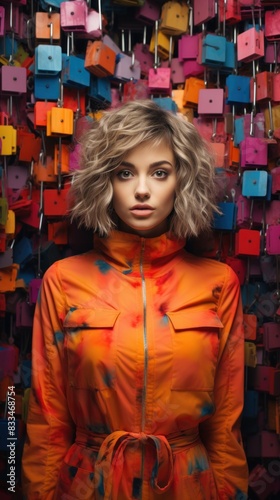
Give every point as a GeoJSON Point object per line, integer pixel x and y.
{"type": "Point", "coordinates": [152, 165]}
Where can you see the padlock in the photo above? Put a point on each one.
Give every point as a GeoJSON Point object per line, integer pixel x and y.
{"type": "Point", "coordinates": [74, 72]}
{"type": "Point", "coordinates": [213, 50]}
{"type": "Point", "coordinates": [247, 242]}
{"type": "Point", "coordinates": [43, 170]}
{"type": "Point", "coordinates": [211, 101]}
{"type": "Point", "coordinates": [8, 277]}
{"type": "Point", "coordinates": [174, 19]}
{"type": "Point", "coordinates": [237, 89]}
{"type": "Point", "coordinates": [218, 150]}
{"type": "Point", "coordinates": [275, 87]}
{"type": "Point", "coordinates": [253, 125]}
{"type": "Point", "coordinates": [273, 240]}
{"type": "Point", "coordinates": [73, 15]}
{"type": "Point", "coordinates": [166, 103]}
{"type": "Point", "coordinates": [3, 211]}
{"type": "Point", "coordinates": [239, 267]}
{"type": "Point", "coordinates": [274, 383]}
{"type": "Point", "coordinates": [250, 326]}
{"type": "Point", "coordinates": [233, 155]}
{"type": "Point", "coordinates": [203, 11]}
{"type": "Point", "coordinates": [250, 357]}
{"type": "Point", "coordinates": [29, 146]}
{"type": "Point", "coordinates": [10, 226]}
{"type": "Point", "coordinates": [226, 219]}
{"type": "Point", "coordinates": [250, 45]}
{"type": "Point", "coordinates": [268, 268]}
{"type": "Point", "coordinates": [60, 121]}
{"type": "Point", "coordinates": [6, 258]}
{"type": "Point", "coordinates": [23, 252]}
{"type": "Point", "coordinates": [191, 91]}
{"type": "Point", "coordinates": [2, 20]}
{"type": "Point", "coordinates": [13, 80]}
{"type": "Point", "coordinates": [24, 314]}
{"type": "Point", "coordinates": [135, 90]}
{"type": "Point", "coordinates": [127, 68]}
{"type": "Point", "coordinates": [265, 444]}
{"type": "Point", "coordinates": [31, 219]}
{"type": "Point", "coordinates": [55, 203]}
{"type": "Point", "coordinates": [149, 12]}
{"type": "Point", "coordinates": [251, 404]}
{"type": "Point", "coordinates": [253, 152]}
{"type": "Point", "coordinates": [271, 335]}
{"type": "Point", "coordinates": [264, 86]}
{"type": "Point", "coordinates": [33, 292]}
{"type": "Point", "coordinates": [61, 159]}
{"type": "Point", "coordinates": [229, 11]}
{"type": "Point", "coordinates": [58, 232]}
{"type": "Point", "coordinates": [144, 56]}
{"type": "Point", "coordinates": [95, 22]}
{"type": "Point", "coordinates": [188, 47]}
{"type": "Point", "coordinates": [75, 99]}
{"type": "Point", "coordinates": [272, 213]}
{"type": "Point", "coordinates": [48, 59]}
{"type": "Point", "coordinates": [47, 27]}
{"type": "Point", "coordinates": [254, 183]}
{"type": "Point", "coordinates": [47, 86]}
{"type": "Point", "coordinates": [275, 173]}
{"type": "Point", "coordinates": [100, 59]}
{"type": "Point", "coordinates": [271, 25]}
{"type": "Point", "coordinates": [164, 46]}
{"type": "Point", "coordinates": [177, 74]}
{"type": "Point", "coordinates": [17, 176]}
{"type": "Point", "coordinates": [159, 80]}
{"type": "Point", "coordinates": [268, 304]}
{"type": "Point", "coordinates": [8, 138]}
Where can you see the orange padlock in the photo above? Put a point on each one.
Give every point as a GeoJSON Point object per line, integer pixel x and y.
{"type": "Point", "coordinates": [100, 59]}
{"type": "Point", "coordinates": [61, 159]}
{"type": "Point", "coordinates": [191, 91]}
{"type": "Point", "coordinates": [47, 27]}
{"type": "Point", "coordinates": [44, 171]}
{"type": "Point", "coordinates": [60, 121]}
{"type": "Point", "coordinates": [40, 112]}
{"type": "Point", "coordinates": [58, 232]}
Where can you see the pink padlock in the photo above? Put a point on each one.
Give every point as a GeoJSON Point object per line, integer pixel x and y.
{"type": "Point", "coordinates": [17, 176]}
{"type": "Point", "coordinates": [13, 80]}
{"type": "Point", "coordinates": [250, 45]}
{"type": "Point", "coordinates": [144, 56]}
{"type": "Point", "coordinates": [273, 240]}
{"type": "Point", "coordinates": [159, 80]}
{"type": "Point", "coordinates": [24, 315]}
{"type": "Point", "coordinates": [34, 287]}
{"type": "Point", "coordinates": [203, 11]}
{"type": "Point", "coordinates": [272, 25]}
{"type": "Point", "coordinates": [272, 213]}
{"type": "Point", "coordinates": [2, 20]}
{"type": "Point", "coordinates": [211, 102]}
{"type": "Point", "coordinates": [258, 125]}
{"type": "Point", "coordinates": [73, 15]}
{"type": "Point", "coordinates": [177, 73]}
{"type": "Point", "coordinates": [275, 185]}
{"type": "Point", "coordinates": [93, 24]}
{"type": "Point", "coordinates": [188, 47]}
{"type": "Point", "coordinates": [253, 152]}
{"type": "Point", "coordinates": [271, 55]}
{"type": "Point", "coordinates": [271, 335]}
{"type": "Point", "coordinates": [149, 12]}
{"type": "Point", "coordinates": [192, 68]}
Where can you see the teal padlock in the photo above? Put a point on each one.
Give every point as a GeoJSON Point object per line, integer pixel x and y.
{"type": "Point", "coordinates": [48, 59]}
{"type": "Point", "coordinates": [100, 90]}
{"type": "Point", "coordinates": [214, 50]}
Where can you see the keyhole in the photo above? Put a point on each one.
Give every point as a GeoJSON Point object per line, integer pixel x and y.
{"type": "Point", "coordinates": [210, 100]}
{"type": "Point", "coordinates": [72, 13]}
{"type": "Point", "coordinates": [50, 58]}
{"type": "Point", "coordinates": [15, 78]}
{"type": "Point", "coordinates": [61, 121]}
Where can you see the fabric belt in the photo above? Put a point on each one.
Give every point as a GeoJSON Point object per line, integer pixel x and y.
{"type": "Point", "coordinates": [110, 458]}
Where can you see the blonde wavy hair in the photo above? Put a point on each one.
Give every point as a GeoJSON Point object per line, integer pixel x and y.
{"type": "Point", "coordinates": [104, 147]}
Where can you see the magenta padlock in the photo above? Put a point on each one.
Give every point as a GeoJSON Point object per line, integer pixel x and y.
{"type": "Point", "coordinates": [73, 15]}
{"type": "Point", "coordinates": [273, 240]}
{"type": "Point", "coordinates": [271, 335]}
{"type": "Point", "coordinates": [192, 68]}
{"type": "Point", "coordinates": [272, 25]}
{"type": "Point", "coordinates": [23, 25]}
{"type": "Point", "coordinates": [211, 102]}
{"type": "Point", "coordinates": [34, 287]}
{"type": "Point", "coordinates": [203, 11]}
{"type": "Point", "coordinates": [258, 125]}
{"type": "Point", "coordinates": [275, 186]}
{"type": "Point", "coordinates": [188, 47]}
{"type": "Point", "coordinates": [2, 20]}
{"type": "Point", "coordinates": [271, 56]}
{"type": "Point", "coordinates": [250, 45]}
{"type": "Point", "coordinates": [14, 19]}
{"type": "Point", "coordinates": [13, 80]}
{"type": "Point", "coordinates": [253, 152]}
{"type": "Point", "coordinates": [149, 12]}
{"type": "Point", "coordinates": [24, 315]}
{"type": "Point", "coordinates": [159, 80]}
{"type": "Point", "coordinates": [17, 176]}
{"type": "Point", "coordinates": [177, 73]}
{"type": "Point", "coordinates": [272, 212]}
{"type": "Point", "coordinates": [144, 56]}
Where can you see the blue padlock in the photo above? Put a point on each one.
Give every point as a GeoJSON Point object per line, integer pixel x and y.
{"type": "Point", "coordinates": [100, 90]}
{"type": "Point", "coordinates": [225, 221]}
{"type": "Point", "coordinates": [214, 50]}
{"type": "Point", "coordinates": [166, 103]}
{"type": "Point", "coordinates": [22, 251]}
{"type": "Point", "coordinates": [251, 404]}
{"type": "Point", "coordinates": [238, 130]}
{"type": "Point", "coordinates": [238, 89]}
{"type": "Point", "coordinates": [230, 61]}
{"type": "Point", "coordinates": [8, 46]}
{"type": "Point", "coordinates": [254, 183]}
{"type": "Point", "coordinates": [47, 87]}
{"type": "Point", "coordinates": [269, 187]}
{"type": "Point", "coordinates": [74, 73]}
{"type": "Point", "coordinates": [48, 59]}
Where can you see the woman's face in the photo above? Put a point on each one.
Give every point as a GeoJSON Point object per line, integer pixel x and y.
{"type": "Point", "coordinates": [144, 189]}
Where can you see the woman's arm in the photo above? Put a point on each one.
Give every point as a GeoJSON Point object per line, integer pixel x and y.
{"type": "Point", "coordinates": [49, 425]}
{"type": "Point", "coordinates": [221, 432]}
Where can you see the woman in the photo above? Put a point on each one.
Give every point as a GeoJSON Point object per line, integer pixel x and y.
{"type": "Point", "coordinates": [137, 385]}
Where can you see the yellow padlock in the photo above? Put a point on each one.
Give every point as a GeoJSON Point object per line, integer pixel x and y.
{"type": "Point", "coordinates": [250, 354]}
{"type": "Point", "coordinates": [174, 20]}
{"type": "Point", "coordinates": [8, 136]}
{"type": "Point", "coordinates": [163, 45]}
{"type": "Point", "coordinates": [10, 225]}
{"type": "Point", "coordinates": [60, 121]}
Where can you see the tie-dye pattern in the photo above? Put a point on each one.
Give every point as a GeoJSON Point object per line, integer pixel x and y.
{"type": "Point", "coordinates": [106, 420]}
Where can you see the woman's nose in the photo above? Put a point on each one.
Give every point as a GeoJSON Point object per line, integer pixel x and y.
{"type": "Point", "coordinates": [142, 189]}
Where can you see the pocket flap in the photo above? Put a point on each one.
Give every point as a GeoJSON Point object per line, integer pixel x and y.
{"type": "Point", "coordinates": [90, 318]}
{"type": "Point", "coordinates": [184, 320]}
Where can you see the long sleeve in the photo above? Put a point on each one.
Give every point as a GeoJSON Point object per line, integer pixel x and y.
{"type": "Point", "coordinates": [221, 432]}
{"type": "Point", "coordinates": [49, 424]}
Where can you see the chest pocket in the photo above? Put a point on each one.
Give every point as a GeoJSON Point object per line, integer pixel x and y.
{"type": "Point", "coordinates": [195, 349]}
{"type": "Point", "coordinates": [91, 347]}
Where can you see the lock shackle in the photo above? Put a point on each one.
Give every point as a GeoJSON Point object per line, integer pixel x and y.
{"type": "Point", "coordinates": [59, 175]}
{"type": "Point", "coordinates": [156, 46]}
{"type": "Point", "coordinates": [170, 50]}
{"type": "Point", "coordinates": [145, 35]}
{"type": "Point", "coordinates": [70, 39]}
{"type": "Point", "coordinates": [190, 20]}
{"type": "Point", "coordinates": [270, 132]}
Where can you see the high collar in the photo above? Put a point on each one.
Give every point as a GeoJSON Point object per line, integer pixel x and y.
{"type": "Point", "coordinates": [129, 253]}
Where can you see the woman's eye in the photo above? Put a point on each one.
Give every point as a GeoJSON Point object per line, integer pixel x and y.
{"type": "Point", "coordinates": [160, 174]}
{"type": "Point", "coordinates": [124, 174]}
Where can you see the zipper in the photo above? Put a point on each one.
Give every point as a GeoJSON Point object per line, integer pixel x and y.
{"type": "Point", "coordinates": [145, 342]}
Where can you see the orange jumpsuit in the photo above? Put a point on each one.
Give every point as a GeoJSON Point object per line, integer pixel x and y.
{"type": "Point", "coordinates": [137, 376]}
